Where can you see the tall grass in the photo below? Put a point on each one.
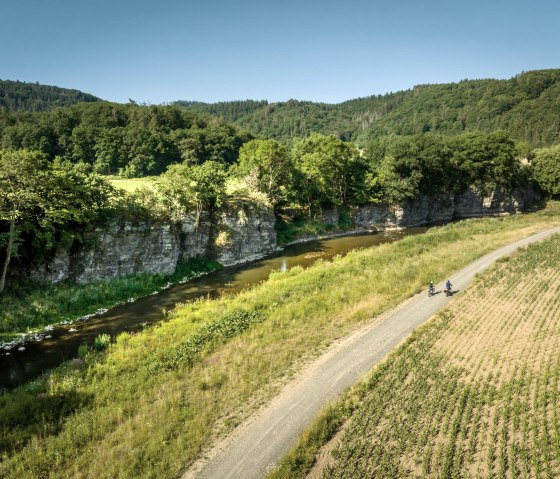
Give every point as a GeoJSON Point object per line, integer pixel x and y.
{"type": "Point", "coordinates": [150, 404]}
{"type": "Point", "coordinates": [29, 305]}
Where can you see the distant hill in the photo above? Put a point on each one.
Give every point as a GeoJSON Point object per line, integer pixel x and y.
{"type": "Point", "coordinates": [23, 96]}
{"type": "Point", "coordinates": [527, 106]}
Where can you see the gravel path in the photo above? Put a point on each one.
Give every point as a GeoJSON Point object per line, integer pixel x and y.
{"type": "Point", "coordinates": [258, 445]}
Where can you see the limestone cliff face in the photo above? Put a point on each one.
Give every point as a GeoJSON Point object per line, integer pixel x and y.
{"type": "Point", "coordinates": [237, 233]}
{"type": "Point", "coordinates": [242, 233]}
{"type": "Point", "coordinates": [245, 231]}
{"type": "Point", "coordinates": [473, 203]}
{"type": "Point", "coordinates": [425, 210]}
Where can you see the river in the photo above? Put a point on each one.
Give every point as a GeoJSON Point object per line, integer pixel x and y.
{"type": "Point", "coordinates": [21, 366]}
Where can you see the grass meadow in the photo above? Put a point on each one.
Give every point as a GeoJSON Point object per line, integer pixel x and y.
{"type": "Point", "coordinates": [130, 185]}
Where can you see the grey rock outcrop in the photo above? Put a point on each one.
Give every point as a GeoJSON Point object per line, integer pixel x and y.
{"type": "Point", "coordinates": [424, 210]}
{"type": "Point", "coordinates": [244, 231]}
{"type": "Point", "coordinates": [118, 251]}
{"type": "Point", "coordinates": [238, 232]}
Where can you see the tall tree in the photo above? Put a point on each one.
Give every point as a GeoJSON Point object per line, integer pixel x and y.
{"type": "Point", "coordinates": [187, 187]}
{"type": "Point", "coordinates": [268, 165]}
{"type": "Point", "coordinates": [23, 185]}
{"type": "Point", "coordinates": [44, 205]}
{"type": "Point", "coordinates": [547, 169]}
{"type": "Point", "coordinates": [333, 169]}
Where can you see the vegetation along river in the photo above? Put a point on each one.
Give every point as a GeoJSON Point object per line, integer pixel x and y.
{"type": "Point", "coordinates": [20, 366]}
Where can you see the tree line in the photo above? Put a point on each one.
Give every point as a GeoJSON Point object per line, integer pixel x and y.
{"type": "Point", "coordinates": [24, 96]}
{"type": "Point", "coordinates": [49, 203]}
{"type": "Point", "coordinates": [324, 170]}
{"type": "Point", "coordinates": [320, 171]}
{"type": "Point", "coordinates": [129, 140]}
{"type": "Point", "coordinates": [527, 106]}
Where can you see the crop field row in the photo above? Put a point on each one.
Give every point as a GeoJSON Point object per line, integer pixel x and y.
{"type": "Point", "coordinates": [474, 393]}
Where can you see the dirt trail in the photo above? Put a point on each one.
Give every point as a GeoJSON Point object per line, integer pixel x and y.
{"type": "Point", "coordinates": [258, 445]}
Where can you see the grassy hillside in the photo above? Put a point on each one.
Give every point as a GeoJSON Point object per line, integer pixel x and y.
{"type": "Point", "coordinates": [155, 400]}
{"type": "Point", "coordinates": [474, 393]}
{"type": "Point", "coordinates": [23, 96]}
{"type": "Point", "coordinates": [527, 106]}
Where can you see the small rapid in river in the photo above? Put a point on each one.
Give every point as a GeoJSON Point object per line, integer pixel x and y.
{"type": "Point", "coordinates": [64, 341]}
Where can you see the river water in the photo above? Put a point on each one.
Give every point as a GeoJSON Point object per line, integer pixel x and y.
{"type": "Point", "coordinates": [21, 366]}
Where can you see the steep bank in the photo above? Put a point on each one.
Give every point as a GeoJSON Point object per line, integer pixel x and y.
{"type": "Point", "coordinates": [238, 232]}
{"type": "Point", "coordinates": [244, 231]}
{"type": "Point", "coordinates": [473, 203]}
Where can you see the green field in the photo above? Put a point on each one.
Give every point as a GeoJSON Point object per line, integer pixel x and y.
{"type": "Point", "coordinates": [154, 401]}
{"type": "Point", "coordinates": [130, 185]}
{"type": "Point", "coordinates": [474, 393]}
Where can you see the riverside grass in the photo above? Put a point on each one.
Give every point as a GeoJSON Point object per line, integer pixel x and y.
{"type": "Point", "coordinates": [28, 305]}
{"type": "Point", "coordinates": [126, 413]}
{"type": "Point", "coordinates": [473, 393]}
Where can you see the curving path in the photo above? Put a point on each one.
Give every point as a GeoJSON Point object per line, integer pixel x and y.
{"type": "Point", "coordinates": [259, 445]}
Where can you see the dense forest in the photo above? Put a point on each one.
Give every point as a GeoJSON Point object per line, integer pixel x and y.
{"type": "Point", "coordinates": [23, 96]}
{"type": "Point", "coordinates": [527, 106]}
{"type": "Point", "coordinates": [131, 140]}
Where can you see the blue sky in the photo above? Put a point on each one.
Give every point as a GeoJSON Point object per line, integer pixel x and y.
{"type": "Point", "coordinates": [158, 51]}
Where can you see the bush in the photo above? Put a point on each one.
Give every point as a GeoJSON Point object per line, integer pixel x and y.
{"type": "Point", "coordinates": [547, 169]}
{"type": "Point", "coordinates": [102, 342]}
{"type": "Point", "coordinates": [83, 351]}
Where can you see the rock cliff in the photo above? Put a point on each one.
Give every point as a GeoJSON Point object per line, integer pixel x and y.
{"type": "Point", "coordinates": [238, 232]}
{"type": "Point", "coordinates": [244, 231]}
{"type": "Point", "coordinates": [425, 210]}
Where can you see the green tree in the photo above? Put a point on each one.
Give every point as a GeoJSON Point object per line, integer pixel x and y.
{"type": "Point", "coordinates": [76, 198]}
{"type": "Point", "coordinates": [486, 159]}
{"type": "Point", "coordinates": [546, 167]}
{"type": "Point", "coordinates": [45, 205]}
{"type": "Point", "coordinates": [187, 187]}
{"type": "Point", "coordinates": [333, 170]}
{"type": "Point", "coordinates": [23, 185]}
{"type": "Point", "coordinates": [110, 154]}
{"type": "Point", "coordinates": [268, 166]}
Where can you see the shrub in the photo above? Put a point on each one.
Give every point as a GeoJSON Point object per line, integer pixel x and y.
{"type": "Point", "coordinates": [102, 342]}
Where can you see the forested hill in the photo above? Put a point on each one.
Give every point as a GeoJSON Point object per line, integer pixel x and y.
{"type": "Point", "coordinates": [129, 139]}
{"type": "Point", "coordinates": [22, 96]}
{"type": "Point", "coordinates": [527, 106]}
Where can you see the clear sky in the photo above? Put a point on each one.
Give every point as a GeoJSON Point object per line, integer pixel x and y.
{"type": "Point", "coordinates": [321, 50]}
